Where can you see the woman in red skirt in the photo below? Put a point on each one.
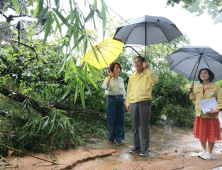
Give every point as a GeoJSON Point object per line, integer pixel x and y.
{"type": "Point", "coordinates": [206, 126]}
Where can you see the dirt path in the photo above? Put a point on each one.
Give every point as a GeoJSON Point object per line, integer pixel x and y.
{"type": "Point", "coordinates": [171, 148]}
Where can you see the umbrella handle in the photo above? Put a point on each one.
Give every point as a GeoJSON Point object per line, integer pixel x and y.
{"type": "Point", "coordinates": [190, 91]}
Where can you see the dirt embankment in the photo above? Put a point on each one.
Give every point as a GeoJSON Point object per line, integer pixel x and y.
{"type": "Point", "coordinates": [171, 149]}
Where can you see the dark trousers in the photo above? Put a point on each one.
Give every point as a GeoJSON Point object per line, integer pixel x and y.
{"type": "Point", "coordinates": [140, 112]}
{"type": "Point", "coordinates": [115, 117]}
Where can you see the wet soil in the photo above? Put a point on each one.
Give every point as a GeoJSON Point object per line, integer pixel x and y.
{"type": "Point", "coordinates": [170, 148]}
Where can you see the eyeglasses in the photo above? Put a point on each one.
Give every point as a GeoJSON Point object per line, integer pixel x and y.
{"type": "Point", "coordinates": [204, 73]}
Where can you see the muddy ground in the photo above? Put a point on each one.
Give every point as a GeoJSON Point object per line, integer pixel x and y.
{"type": "Point", "coordinates": [171, 148]}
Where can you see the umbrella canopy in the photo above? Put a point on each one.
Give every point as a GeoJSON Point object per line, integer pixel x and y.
{"type": "Point", "coordinates": [188, 60]}
{"type": "Point", "coordinates": [107, 51]}
{"type": "Point", "coordinates": [146, 30]}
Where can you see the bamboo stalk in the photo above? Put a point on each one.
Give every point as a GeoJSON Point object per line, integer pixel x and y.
{"type": "Point", "coordinates": [29, 154]}
{"type": "Point", "coordinates": [87, 149]}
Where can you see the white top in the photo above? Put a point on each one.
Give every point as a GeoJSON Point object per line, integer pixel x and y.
{"type": "Point", "coordinates": [116, 87]}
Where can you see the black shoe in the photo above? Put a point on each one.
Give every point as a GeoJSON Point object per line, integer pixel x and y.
{"type": "Point", "coordinates": [144, 153]}
{"type": "Point", "coordinates": [119, 142]}
{"type": "Point", "coordinates": [111, 141]}
{"type": "Point", "coordinates": [135, 150]}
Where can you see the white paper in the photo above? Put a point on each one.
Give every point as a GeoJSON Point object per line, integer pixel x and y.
{"type": "Point", "coordinates": [206, 104]}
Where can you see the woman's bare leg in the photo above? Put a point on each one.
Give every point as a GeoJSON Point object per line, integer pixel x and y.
{"type": "Point", "coordinates": [210, 146]}
{"type": "Point", "coordinates": [204, 146]}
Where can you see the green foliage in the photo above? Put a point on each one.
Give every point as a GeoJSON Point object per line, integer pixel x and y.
{"type": "Point", "coordinates": [89, 127]}
{"type": "Point", "coordinates": [60, 132]}
{"type": "Point", "coordinates": [219, 83]}
{"type": "Point", "coordinates": [213, 8]}
{"type": "Point", "coordinates": [180, 115]}
{"type": "Point", "coordinates": [3, 150]}
{"type": "Point", "coordinates": [49, 75]}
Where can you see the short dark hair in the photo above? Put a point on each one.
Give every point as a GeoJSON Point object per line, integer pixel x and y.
{"type": "Point", "coordinates": [211, 75]}
{"type": "Point", "coordinates": [139, 56]}
{"type": "Point", "coordinates": [113, 64]}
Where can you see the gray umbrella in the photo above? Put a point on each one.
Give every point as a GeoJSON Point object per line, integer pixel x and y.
{"type": "Point", "coordinates": [188, 60]}
{"type": "Point", "coordinates": [146, 30]}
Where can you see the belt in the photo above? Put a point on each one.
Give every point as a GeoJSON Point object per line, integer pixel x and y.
{"type": "Point", "coordinates": [115, 95]}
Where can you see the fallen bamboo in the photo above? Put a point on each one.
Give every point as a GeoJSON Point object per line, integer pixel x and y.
{"type": "Point", "coordinates": [86, 148]}
{"type": "Point", "coordinates": [23, 133]}
{"type": "Point", "coordinates": [29, 154]}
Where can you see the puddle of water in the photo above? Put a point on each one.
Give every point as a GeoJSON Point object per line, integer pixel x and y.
{"type": "Point", "coordinates": [218, 168]}
{"type": "Point", "coordinates": [162, 138]}
{"type": "Point", "coordinates": [167, 143]}
{"type": "Point", "coordinates": [193, 154]}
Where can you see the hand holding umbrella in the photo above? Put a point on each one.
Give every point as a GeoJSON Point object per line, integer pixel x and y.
{"type": "Point", "coordinates": [111, 74]}
{"type": "Point", "coordinates": [191, 89]}
{"type": "Point", "coordinates": [145, 65]}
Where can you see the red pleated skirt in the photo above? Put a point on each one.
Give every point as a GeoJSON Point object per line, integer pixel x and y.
{"type": "Point", "coordinates": [207, 130]}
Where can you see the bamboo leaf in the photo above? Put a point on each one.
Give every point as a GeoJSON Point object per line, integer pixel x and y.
{"type": "Point", "coordinates": [94, 52]}
{"type": "Point", "coordinates": [60, 50]}
{"type": "Point", "coordinates": [40, 6]}
{"type": "Point", "coordinates": [42, 16]}
{"type": "Point", "coordinates": [35, 11]}
{"type": "Point", "coordinates": [31, 2]}
{"type": "Point", "coordinates": [72, 13]}
{"type": "Point", "coordinates": [74, 67]}
{"type": "Point", "coordinates": [4, 6]}
{"type": "Point", "coordinates": [55, 31]}
{"type": "Point", "coordinates": [76, 30]}
{"type": "Point", "coordinates": [85, 72]}
{"type": "Point", "coordinates": [63, 64]}
{"type": "Point", "coordinates": [100, 15]}
{"type": "Point", "coordinates": [16, 6]}
{"type": "Point", "coordinates": [65, 21]}
{"type": "Point", "coordinates": [95, 4]}
{"type": "Point", "coordinates": [77, 42]}
{"type": "Point", "coordinates": [40, 124]}
{"type": "Point", "coordinates": [25, 8]}
{"type": "Point", "coordinates": [57, 2]}
{"type": "Point", "coordinates": [69, 89]}
{"type": "Point", "coordinates": [46, 123]}
{"type": "Point", "coordinates": [52, 141]}
{"type": "Point", "coordinates": [21, 137]}
{"type": "Point", "coordinates": [85, 45]}
{"type": "Point", "coordinates": [94, 23]}
{"type": "Point", "coordinates": [53, 121]}
{"type": "Point", "coordinates": [76, 92]}
{"type": "Point", "coordinates": [91, 80]}
{"type": "Point", "coordinates": [93, 72]}
{"type": "Point", "coordinates": [85, 84]}
{"type": "Point", "coordinates": [104, 5]}
{"type": "Point", "coordinates": [81, 67]}
{"type": "Point", "coordinates": [91, 13]}
{"type": "Point", "coordinates": [68, 69]}
{"type": "Point", "coordinates": [81, 89]}
{"type": "Point", "coordinates": [104, 21]}
{"type": "Point", "coordinates": [48, 26]}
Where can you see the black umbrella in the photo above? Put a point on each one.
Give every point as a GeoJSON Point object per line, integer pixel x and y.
{"type": "Point", "coordinates": [189, 59]}
{"type": "Point", "coordinates": [146, 30]}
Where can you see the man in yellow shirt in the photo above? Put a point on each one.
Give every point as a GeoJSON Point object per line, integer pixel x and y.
{"type": "Point", "coordinates": [138, 103]}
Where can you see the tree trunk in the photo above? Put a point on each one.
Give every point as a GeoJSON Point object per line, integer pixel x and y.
{"type": "Point", "coordinates": [38, 106]}
{"type": "Point", "coordinates": [44, 108]}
